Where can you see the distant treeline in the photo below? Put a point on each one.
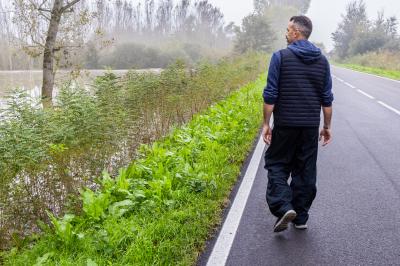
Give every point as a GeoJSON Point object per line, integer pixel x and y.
{"type": "Point", "coordinates": [152, 33]}
{"type": "Point", "coordinates": [301, 5]}
{"type": "Point", "coordinates": [366, 41]}
{"type": "Point", "coordinates": [155, 34]}
{"type": "Point", "coordinates": [132, 55]}
{"type": "Point", "coordinates": [132, 34]}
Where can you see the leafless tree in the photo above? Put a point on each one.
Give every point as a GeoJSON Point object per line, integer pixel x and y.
{"type": "Point", "coordinates": [50, 29]}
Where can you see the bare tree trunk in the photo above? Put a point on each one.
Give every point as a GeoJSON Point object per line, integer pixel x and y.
{"type": "Point", "coordinates": [10, 61]}
{"type": "Point", "coordinates": [48, 55]}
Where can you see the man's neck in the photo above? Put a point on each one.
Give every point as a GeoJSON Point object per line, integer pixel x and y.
{"type": "Point", "coordinates": [301, 39]}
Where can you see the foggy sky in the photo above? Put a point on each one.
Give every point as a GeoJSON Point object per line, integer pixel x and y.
{"type": "Point", "coordinates": [325, 14]}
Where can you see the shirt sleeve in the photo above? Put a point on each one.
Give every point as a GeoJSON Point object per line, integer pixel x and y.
{"type": "Point", "coordinates": [327, 95]}
{"type": "Point", "coordinates": [270, 93]}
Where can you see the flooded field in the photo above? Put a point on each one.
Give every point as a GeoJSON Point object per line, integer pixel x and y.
{"type": "Point", "coordinates": [31, 80]}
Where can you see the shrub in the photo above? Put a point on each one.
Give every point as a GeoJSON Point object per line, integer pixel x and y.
{"type": "Point", "coordinates": [161, 208]}
{"type": "Point", "coordinates": [47, 156]}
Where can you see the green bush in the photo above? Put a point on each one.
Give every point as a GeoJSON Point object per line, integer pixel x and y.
{"type": "Point", "coordinates": [383, 60]}
{"type": "Point", "coordinates": [47, 156]}
{"type": "Point", "coordinates": [137, 56]}
{"type": "Point", "coordinates": [162, 207]}
{"type": "Point", "coordinates": [384, 63]}
{"type": "Point", "coordinates": [140, 56]}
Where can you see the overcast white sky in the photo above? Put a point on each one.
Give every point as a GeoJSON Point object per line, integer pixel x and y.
{"type": "Point", "coordinates": [324, 13]}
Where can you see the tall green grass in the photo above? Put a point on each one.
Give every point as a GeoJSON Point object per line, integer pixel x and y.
{"type": "Point", "coordinates": [393, 74]}
{"type": "Point", "coordinates": [381, 63]}
{"type": "Point", "coordinates": [47, 156]}
{"type": "Point", "coordinates": [162, 207]}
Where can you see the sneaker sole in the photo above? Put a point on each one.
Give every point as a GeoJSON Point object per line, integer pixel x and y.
{"type": "Point", "coordinates": [283, 224]}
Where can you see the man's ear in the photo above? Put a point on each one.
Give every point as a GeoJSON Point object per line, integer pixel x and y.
{"type": "Point", "coordinates": [297, 34]}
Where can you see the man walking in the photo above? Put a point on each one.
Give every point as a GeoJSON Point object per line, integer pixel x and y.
{"type": "Point", "coordinates": [299, 84]}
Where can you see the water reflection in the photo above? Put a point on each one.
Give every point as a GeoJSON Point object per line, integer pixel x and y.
{"type": "Point", "coordinates": [31, 81]}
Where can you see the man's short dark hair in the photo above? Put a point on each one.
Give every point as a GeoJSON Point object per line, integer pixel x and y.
{"type": "Point", "coordinates": [303, 24]}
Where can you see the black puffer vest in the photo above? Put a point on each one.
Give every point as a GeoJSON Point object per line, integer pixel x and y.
{"type": "Point", "coordinates": [300, 88]}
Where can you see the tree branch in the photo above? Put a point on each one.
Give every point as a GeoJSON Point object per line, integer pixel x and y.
{"type": "Point", "coordinates": [36, 6]}
{"type": "Point", "coordinates": [44, 15]}
{"type": "Point", "coordinates": [44, 10]}
{"type": "Point", "coordinates": [68, 46]}
{"type": "Point", "coordinates": [42, 4]}
{"type": "Point", "coordinates": [69, 5]}
{"type": "Point", "coordinates": [36, 42]}
{"type": "Point", "coordinates": [40, 8]}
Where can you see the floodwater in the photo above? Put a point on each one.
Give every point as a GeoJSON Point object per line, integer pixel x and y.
{"type": "Point", "coordinates": [31, 80]}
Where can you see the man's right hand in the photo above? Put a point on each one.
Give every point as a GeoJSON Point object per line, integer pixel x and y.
{"type": "Point", "coordinates": [326, 135]}
{"type": "Point", "coordinates": [267, 134]}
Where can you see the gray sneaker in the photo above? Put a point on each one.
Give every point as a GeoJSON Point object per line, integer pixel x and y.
{"type": "Point", "coordinates": [282, 223]}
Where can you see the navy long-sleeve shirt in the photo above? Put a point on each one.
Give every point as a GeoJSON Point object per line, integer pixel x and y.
{"type": "Point", "coordinates": [270, 93]}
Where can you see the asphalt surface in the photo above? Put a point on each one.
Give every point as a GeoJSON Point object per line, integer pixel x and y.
{"type": "Point", "coordinates": [355, 218]}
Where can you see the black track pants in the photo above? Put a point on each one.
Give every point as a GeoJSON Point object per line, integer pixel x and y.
{"type": "Point", "coordinates": [293, 152]}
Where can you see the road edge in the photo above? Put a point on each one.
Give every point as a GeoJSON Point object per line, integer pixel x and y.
{"type": "Point", "coordinates": [366, 73]}
{"type": "Point", "coordinates": [212, 240]}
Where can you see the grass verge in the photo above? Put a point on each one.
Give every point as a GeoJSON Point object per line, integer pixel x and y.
{"type": "Point", "coordinates": [47, 156]}
{"type": "Point", "coordinates": [161, 209]}
{"type": "Point", "coordinates": [393, 74]}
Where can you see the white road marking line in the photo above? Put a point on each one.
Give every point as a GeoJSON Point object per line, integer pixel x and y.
{"type": "Point", "coordinates": [341, 80]}
{"type": "Point", "coordinates": [398, 81]}
{"type": "Point", "coordinates": [351, 86]}
{"type": "Point", "coordinates": [366, 94]}
{"type": "Point", "coordinates": [389, 107]}
{"type": "Point", "coordinates": [225, 239]}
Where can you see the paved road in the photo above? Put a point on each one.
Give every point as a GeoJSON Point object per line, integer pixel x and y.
{"type": "Point", "coordinates": [355, 218]}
